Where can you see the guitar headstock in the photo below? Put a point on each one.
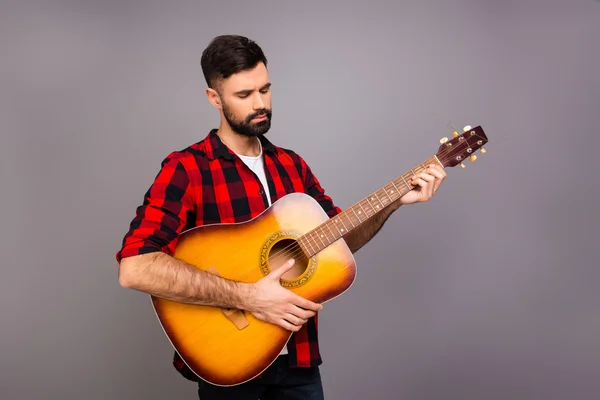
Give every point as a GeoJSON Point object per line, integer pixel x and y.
{"type": "Point", "coordinates": [455, 151]}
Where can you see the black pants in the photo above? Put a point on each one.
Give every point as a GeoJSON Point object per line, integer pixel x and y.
{"type": "Point", "coordinates": [278, 382]}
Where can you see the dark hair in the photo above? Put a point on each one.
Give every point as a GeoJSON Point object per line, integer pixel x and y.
{"type": "Point", "coordinates": [227, 55]}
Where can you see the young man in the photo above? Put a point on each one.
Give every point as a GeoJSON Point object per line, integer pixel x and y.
{"type": "Point", "coordinates": [233, 175]}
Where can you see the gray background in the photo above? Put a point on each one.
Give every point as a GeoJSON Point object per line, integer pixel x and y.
{"type": "Point", "coordinates": [489, 291]}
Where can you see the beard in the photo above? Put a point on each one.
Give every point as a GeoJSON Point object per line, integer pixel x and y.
{"type": "Point", "coordinates": [245, 126]}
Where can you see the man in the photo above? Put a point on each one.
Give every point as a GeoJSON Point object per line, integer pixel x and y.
{"type": "Point", "coordinates": [232, 175]}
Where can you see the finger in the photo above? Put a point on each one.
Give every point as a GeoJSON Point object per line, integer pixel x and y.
{"type": "Point", "coordinates": [430, 179]}
{"type": "Point", "coordinates": [306, 304]}
{"type": "Point", "coordinates": [422, 184]}
{"type": "Point", "coordinates": [295, 320]}
{"type": "Point", "coordinates": [436, 171]}
{"type": "Point", "coordinates": [423, 175]}
{"type": "Point", "coordinates": [428, 186]}
{"type": "Point", "coordinates": [441, 169]}
{"type": "Point", "coordinates": [290, 327]}
{"type": "Point", "coordinates": [301, 313]}
{"type": "Point", "coordinates": [278, 273]}
{"type": "Point", "coordinates": [439, 177]}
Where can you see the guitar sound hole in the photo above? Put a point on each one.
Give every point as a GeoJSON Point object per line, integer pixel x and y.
{"type": "Point", "coordinates": [284, 250]}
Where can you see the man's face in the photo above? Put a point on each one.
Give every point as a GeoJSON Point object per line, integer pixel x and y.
{"type": "Point", "coordinates": [246, 100]}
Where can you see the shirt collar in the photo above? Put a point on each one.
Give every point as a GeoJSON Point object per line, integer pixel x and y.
{"type": "Point", "coordinates": [216, 148]}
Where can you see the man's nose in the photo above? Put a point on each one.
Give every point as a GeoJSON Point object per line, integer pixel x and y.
{"type": "Point", "coordinates": [258, 102]}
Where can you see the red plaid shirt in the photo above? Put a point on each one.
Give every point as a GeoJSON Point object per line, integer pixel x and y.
{"type": "Point", "coordinates": [207, 183]}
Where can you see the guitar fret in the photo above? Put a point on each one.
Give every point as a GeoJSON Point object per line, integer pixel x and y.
{"type": "Point", "coordinates": [359, 221]}
{"type": "Point", "coordinates": [339, 219]}
{"type": "Point", "coordinates": [387, 194]}
{"type": "Point", "coordinates": [329, 236]}
{"type": "Point", "coordinates": [329, 227]}
{"type": "Point", "coordinates": [336, 226]}
{"type": "Point", "coordinates": [361, 207]}
{"type": "Point", "coordinates": [378, 199]}
{"type": "Point", "coordinates": [396, 187]}
{"type": "Point", "coordinates": [308, 241]}
{"type": "Point", "coordinates": [406, 183]}
{"type": "Point", "coordinates": [320, 235]}
{"type": "Point", "coordinates": [311, 246]}
{"type": "Point", "coordinates": [371, 204]}
{"type": "Point", "coordinates": [315, 243]}
{"type": "Point", "coordinates": [350, 219]}
{"type": "Point", "coordinates": [303, 245]}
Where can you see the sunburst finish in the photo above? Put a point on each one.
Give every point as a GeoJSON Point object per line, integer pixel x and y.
{"type": "Point", "coordinates": [212, 345]}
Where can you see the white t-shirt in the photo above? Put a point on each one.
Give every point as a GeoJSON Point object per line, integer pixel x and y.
{"type": "Point", "coordinates": [256, 164]}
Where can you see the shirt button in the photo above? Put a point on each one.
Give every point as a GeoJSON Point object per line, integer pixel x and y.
{"type": "Point", "coordinates": [261, 191]}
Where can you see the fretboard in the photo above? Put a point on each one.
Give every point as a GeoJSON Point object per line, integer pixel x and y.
{"type": "Point", "coordinates": [337, 227]}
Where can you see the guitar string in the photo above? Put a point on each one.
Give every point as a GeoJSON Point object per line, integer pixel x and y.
{"type": "Point", "coordinates": [289, 253]}
{"type": "Point", "coordinates": [443, 153]}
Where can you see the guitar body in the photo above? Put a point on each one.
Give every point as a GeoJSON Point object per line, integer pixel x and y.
{"type": "Point", "coordinates": [229, 347]}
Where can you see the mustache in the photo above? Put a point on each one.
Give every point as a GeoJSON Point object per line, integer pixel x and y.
{"type": "Point", "coordinates": [259, 113]}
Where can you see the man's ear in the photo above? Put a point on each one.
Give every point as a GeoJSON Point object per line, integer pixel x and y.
{"type": "Point", "coordinates": [213, 97]}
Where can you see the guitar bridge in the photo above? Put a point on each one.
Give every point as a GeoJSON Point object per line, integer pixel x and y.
{"type": "Point", "coordinates": [237, 317]}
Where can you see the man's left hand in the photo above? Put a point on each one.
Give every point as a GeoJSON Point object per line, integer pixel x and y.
{"type": "Point", "coordinates": [427, 182]}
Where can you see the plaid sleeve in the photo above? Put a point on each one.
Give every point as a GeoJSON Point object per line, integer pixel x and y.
{"type": "Point", "coordinates": [313, 188]}
{"type": "Point", "coordinates": [167, 205]}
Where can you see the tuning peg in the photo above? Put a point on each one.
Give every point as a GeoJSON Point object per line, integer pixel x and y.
{"type": "Point", "coordinates": [473, 158]}
{"type": "Point", "coordinates": [443, 140]}
{"type": "Point", "coordinates": [467, 128]}
{"type": "Point", "coordinates": [463, 165]}
{"type": "Point", "coordinates": [455, 134]}
{"type": "Point", "coordinates": [483, 150]}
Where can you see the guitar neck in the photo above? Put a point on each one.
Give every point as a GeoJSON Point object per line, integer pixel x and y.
{"type": "Point", "coordinates": [339, 226]}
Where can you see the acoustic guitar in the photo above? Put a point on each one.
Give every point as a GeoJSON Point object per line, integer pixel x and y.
{"type": "Point", "coordinates": [228, 347]}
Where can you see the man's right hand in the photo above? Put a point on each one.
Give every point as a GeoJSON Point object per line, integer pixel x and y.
{"type": "Point", "coordinates": [271, 302]}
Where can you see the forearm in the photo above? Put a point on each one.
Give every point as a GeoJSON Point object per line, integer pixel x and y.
{"type": "Point", "coordinates": [360, 236]}
{"type": "Point", "coordinates": [163, 276]}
